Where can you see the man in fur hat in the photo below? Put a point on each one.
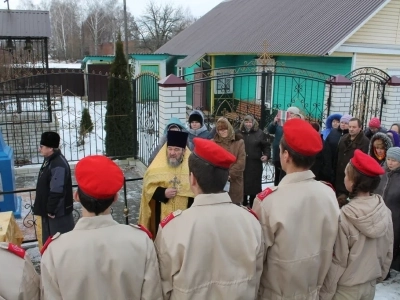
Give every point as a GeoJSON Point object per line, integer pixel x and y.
{"type": "Point", "coordinates": [54, 200]}
{"type": "Point", "coordinates": [166, 182]}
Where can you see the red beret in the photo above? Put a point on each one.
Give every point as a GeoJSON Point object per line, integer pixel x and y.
{"type": "Point", "coordinates": [301, 137]}
{"type": "Point", "coordinates": [365, 164]}
{"type": "Point", "coordinates": [212, 153]}
{"type": "Point", "coordinates": [98, 177]}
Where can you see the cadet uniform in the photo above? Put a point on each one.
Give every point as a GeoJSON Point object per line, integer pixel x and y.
{"type": "Point", "coordinates": [299, 218]}
{"type": "Point", "coordinates": [214, 249]}
{"type": "Point", "coordinates": [99, 258]}
{"type": "Point", "coordinates": [18, 278]}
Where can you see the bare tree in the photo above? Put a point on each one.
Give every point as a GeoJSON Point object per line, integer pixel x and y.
{"type": "Point", "coordinates": [98, 19]}
{"type": "Point", "coordinates": [160, 23]}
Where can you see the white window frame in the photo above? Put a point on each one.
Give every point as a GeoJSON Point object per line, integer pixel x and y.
{"type": "Point", "coordinates": [161, 66]}
{"type": "Point", "coordinates": [224, 85]}
{"type": "Point", "coordinates": [180, 71]}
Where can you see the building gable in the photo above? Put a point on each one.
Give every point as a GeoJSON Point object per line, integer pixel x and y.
{"type": "Point", "coordinates": [383, 28]}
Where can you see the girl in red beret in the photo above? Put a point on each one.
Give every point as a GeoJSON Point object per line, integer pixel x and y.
{"type": "Point", "coordinates": [363, 248]}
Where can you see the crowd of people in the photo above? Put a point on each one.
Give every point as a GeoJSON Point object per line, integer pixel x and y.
{"type": "Point", "coordinates": [328, 229]}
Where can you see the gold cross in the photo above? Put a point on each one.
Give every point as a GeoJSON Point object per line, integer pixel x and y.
{"type": "Point", "coordinates": [264, 57]}
{"type": "Point", "coordinates": [175, 182]}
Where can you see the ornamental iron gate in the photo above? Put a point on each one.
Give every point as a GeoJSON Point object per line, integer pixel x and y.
{"type": "Point", "coordinates": [145, 91]}
{"type": "Point", "coordinates": [367, 93]}
{"type": "Point", "coordinates": [259, 90]}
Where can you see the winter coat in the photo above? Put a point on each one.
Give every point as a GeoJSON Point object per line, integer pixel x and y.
{"type": "Point", "coordinates": [234, 144]}
{"type": "Point", "coordinates": [329, 154]}
{"type": "Point", "coordinates": [389, 189]}
{"type": "Point", "coordinates": [318, 165]}
{"type": "Point", "coordinates": [202, 132]}
{"type": "Point", "coordinates": [163, 139]}
{"type": "Point", "coordinates": [345, 152]}
{"type": "Point", "coordinates": [328, 123]}
{"type": "Point", "coordinates": [256, 145]}
{"type": "Point", "coordinates": [394, 138]}
{"type": "Point", "coordinates": [277, 130]}
{"type": "Point", "coordinates": [386, 141]}
{"type": "Point", "coordinates": [368, 133]}
{"type": "Point", "coordinates": [200, 260]}
{"type": "Point", "coordinates": [54, 187]}
{"type": "Point", "coordinates": [299, 219]}
{"type": "Point", "coordinates": [363, 247]}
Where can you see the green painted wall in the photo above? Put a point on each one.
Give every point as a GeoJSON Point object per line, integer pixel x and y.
{"type": "Point", "coordinates": [306, 90]}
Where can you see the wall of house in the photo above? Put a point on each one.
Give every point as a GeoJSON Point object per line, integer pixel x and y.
{"type": "Point", "coordinates": [245, 79]}
{"type": "Point", "coordinates": [383, 28]}
{"type": "Point", "coordinates": [383, 62]}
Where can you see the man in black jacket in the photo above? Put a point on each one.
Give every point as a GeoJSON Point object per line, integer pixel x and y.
{"type": "Point", "coordinates": [54, 200]}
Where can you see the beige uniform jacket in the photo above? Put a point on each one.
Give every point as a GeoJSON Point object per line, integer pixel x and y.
{"type": "Point", "coordinates": [18, 278]}
{"type": "Point", "coordinates": [213, 250]}
{"type": "Point", "coordinates": [364, 245]}
{"type": "Point", "coordinates": [101, 259]}
{"type": "Point", "coordinates": [300, 221]}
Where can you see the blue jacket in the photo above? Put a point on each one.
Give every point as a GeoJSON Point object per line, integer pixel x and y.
{"type": "Point", "coordinates": [329, 121]}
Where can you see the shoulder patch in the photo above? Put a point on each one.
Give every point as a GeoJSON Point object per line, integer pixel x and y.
{"type": "Point", "coordinates": [49, 240]}
{"type": "Point", "coordinates": [328, 184]}
{"type": "Point", "coordinates": [250, 211]}
{"type": "Point", "coordinates": [141, 227]}
{"type": "Point", "coordinates": [266, 192]}
{"type": "Point", "coordinates": [171, 216]}
{"type": "Point", "coordinates": [13, 249]}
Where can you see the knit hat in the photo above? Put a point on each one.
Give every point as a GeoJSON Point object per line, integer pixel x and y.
{"type": "Point", "coordinates": [346, 119]}
{"type": "Point", "coordinates": [50, 139]}
{"type": "Point", "coordinates": [196, 117]}
{"type": "Point", "coordinates": [294, 110]}
{"type": "Point", "coordinates": [393, 153]}
{"type": "Point", "coordinates": [374, 123]}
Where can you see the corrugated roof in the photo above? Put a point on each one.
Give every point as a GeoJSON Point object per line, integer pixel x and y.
{"type": "Point", "coordinates": [305, 27]}
{"type": "Point", "coordinates": [24, 23]}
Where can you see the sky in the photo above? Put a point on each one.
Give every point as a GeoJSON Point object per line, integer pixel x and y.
{"type": "Point", "coordinates": [197, 7]}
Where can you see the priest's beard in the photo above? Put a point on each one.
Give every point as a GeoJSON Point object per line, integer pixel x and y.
{"type": "Point", "coordinates": [175, 161]}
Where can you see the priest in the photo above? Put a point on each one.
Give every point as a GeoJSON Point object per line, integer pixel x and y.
{"type": "Point", "coordinates": [166, 182]}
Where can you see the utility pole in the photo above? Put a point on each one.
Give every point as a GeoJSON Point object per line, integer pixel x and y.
{"type": "Point", "coordinates": [8, 4]}
{"type": "Point", "coordinates": [126, 34]}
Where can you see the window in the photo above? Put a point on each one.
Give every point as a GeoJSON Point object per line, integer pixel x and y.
{"type": "Point", "coordinates": [224, 81]}
{"type": "Point", "coordinates": [180, 72]}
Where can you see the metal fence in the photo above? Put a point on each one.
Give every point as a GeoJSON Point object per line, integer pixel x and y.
{"type": "Point", "coordinates": [43, 102]}
{"type": "Point", "coordinates": [124, 212]}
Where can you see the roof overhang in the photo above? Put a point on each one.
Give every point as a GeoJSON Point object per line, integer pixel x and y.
{"type": "Point", "coordinates": [190, 60]}
{"type": "Point", "coordinates": [358, 27]}
{"type": "Point", "coordinates": [370, 49]}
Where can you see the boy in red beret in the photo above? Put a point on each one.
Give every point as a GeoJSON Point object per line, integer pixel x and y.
{"type": "Point", "coordinates": [100, 258]}
{"type": "Point", "coordinates": [214, 249]}
{"type": "Point", "coordinates": [299, 218]}
{"type": "Point", "coordinates": [363, 248]}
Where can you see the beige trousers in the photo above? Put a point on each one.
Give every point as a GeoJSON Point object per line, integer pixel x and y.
{"type": "Point", "coordinates": [38, 228]}
{"type": "Point", "coordinates": [365, 291]}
